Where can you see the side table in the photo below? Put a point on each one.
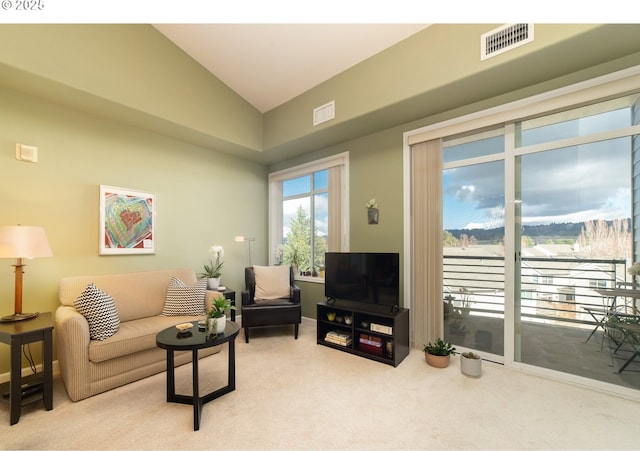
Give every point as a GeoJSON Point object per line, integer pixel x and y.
{"type": "Point", "coordinates": [231, 295]}
{"type": "Point", "coordinates": [19, 390]}
{"type": "Point", "coordinates": [172, 341]}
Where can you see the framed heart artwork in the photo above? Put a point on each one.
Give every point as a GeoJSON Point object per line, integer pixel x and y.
{"type": "Point", "coordinates": [127, 221]}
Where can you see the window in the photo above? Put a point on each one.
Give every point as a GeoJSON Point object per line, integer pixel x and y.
{"type": "Point", "coordinates": [308, 214]}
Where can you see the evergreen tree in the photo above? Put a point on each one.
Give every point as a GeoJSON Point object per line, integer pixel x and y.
{"type": "Point", "coordinates": [297, 250]}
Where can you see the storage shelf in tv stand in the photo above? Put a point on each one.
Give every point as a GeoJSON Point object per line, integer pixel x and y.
{"type": "Point", "coordinates": [376, 333]}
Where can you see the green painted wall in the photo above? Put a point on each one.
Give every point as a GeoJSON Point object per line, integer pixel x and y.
{"type": "Point", "coordinates": [436, 70]}
{"type": "Point", "coordinates": [135, 68]}
{"type": "Point", "coordinates": [203, 198]}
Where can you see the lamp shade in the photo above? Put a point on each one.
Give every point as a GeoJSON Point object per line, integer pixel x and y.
{"type": "Point", "coordinates": [23, 242]}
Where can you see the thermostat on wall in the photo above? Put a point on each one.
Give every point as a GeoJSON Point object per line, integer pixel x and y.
{"type": "Point", "coordinates": [26, 153]}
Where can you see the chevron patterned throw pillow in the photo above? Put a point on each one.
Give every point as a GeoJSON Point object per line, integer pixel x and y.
{"type": "Point", "coordinates": [183, 299]}
{"type": "Point", "coordinates": [100, 311]}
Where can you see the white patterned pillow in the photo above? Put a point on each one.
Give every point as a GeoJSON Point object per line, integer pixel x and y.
{"type": "Point", "coordinates": [185, 299]}
{"type": "Point", "coordinates": [100, 311]}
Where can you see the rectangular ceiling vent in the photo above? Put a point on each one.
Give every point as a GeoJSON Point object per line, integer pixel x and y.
{"type": "Point", "coordinates": [505, 38]}
{"type": "Point", "coordinates": [324, 113]}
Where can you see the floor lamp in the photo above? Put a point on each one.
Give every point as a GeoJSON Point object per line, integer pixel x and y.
{"type": "Point", "coordinates": [21, 242]}
{"type": "Point", "coordinates": [241, 238]}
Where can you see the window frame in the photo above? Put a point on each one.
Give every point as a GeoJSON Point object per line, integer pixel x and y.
{"type": "Point", "coordinates": [276, 198]}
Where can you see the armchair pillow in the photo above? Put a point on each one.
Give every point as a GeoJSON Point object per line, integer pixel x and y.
{"type": "Point", "coordinates": [272, 282]}
{"type": "Point", "coordinates": [100, 311]}
{"type": "Point", "coordinates": [183, 299]}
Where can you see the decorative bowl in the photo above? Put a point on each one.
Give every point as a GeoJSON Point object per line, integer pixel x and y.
{"type": "Point", "coordinates": [184, 326]}
{"type": "Point", "coordinates": [331, 316]}
{"type": "Point", "coordinates": [348, 319]}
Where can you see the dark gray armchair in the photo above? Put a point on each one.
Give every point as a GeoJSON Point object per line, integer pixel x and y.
{"type": "Point", "coordinates": [273, 312]}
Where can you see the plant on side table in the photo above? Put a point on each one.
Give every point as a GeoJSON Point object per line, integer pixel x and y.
{"type": "Point", "coordinates": [438, 354]}
{"type": "Point", "coordinates": [470, 364]}
{"type": "Point", "coordinates": [216, 316]}
{"type": "Point", "coordinates": [213, 270]}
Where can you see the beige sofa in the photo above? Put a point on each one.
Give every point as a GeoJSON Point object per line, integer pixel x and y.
{"type": "Point", "coordinates": [90, 367]}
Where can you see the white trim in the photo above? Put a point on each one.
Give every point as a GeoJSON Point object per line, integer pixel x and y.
{"type": "Point", "coordinates": [407, 301]}
{"type": "Point", "coordinates": [510, 244]}
{"type": "Point", "coordinates": [312, 166]}
{"type": "Point", "coordinates": [55, 369]}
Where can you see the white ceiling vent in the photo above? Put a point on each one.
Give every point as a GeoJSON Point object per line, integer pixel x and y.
{"type": "Point", "coordinates": [324, 113]}
{"type": "Point", "coordinates": [504, 39]}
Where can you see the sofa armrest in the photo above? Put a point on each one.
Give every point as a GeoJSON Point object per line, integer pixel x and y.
{"type": "Point", "coordinates": [72, 339]}
{"type": "Point", "coordinates": [295, 292]}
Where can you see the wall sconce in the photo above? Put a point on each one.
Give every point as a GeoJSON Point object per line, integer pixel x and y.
{"type": "Point", "coordinates": [22, 242]}
{"type": "Point", "coordinates": [241, 238]}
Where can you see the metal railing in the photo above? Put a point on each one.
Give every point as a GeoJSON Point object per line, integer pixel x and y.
{"type": "Point", "coordinates": [551, 290]}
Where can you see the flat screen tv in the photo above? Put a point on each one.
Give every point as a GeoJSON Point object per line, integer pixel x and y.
{"type": "Point", "coordinates": [372, 278]}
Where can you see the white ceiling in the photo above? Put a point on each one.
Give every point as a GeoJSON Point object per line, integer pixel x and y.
{"type": "Point", "coordinates": [269, 64]}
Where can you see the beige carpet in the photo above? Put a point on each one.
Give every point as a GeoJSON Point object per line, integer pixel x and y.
{"type": "Point", "coordinates": [298, 395]}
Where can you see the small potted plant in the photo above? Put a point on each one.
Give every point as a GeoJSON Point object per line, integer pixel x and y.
{"type": "Point", "coordinates": [216, 317]}
{"type": "Point", "coordinates": [470, 364]}
{"type": "Point", "coordinates": [212, 270]}
{"type": "Point", "coordinates": [438, 354]}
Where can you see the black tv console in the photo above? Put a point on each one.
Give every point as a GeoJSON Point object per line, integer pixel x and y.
{"type": "Point", "coordinates": [380, 334]}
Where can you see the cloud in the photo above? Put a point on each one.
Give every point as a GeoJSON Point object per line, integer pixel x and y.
{"type": "Point", "coordinates": [573, 184]}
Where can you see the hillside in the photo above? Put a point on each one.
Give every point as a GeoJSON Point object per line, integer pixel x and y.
{"type": "Point", "coordinates": [540, 233]}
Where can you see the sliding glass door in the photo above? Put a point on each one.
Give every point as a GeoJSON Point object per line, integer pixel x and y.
{"type": "Point", "coordinates": [538, 224]}
{"type": "Point", "coordinates": [574, 177]}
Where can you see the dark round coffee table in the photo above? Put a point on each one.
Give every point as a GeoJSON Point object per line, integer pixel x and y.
{"type": "Point", "coordinates": [172, 340]}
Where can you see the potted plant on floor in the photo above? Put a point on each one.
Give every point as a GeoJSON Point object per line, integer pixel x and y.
{"type": "Point", "coordinates": [438, 354]}
{"type": "Point", "coordinates": [216, 316]}
{"type": "Point", "coordinates": [471, 364]}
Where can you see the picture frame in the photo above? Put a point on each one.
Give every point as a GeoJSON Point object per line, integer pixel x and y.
{"type": "Point", "coordinates": [127, 221]}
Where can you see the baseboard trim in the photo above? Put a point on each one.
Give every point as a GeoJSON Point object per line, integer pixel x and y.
{"type": "Point", "coordinates": [4, 377]}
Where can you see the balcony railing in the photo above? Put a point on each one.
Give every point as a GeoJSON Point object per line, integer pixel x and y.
{"type": "Point", "coordinates": [551, 290]}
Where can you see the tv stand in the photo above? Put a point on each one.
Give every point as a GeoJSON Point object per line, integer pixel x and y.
{"type": "Point", "coordinates": [377, 334]}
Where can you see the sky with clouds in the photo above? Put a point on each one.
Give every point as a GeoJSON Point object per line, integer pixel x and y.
{"type": "Point", "coordinates": [573, 184]}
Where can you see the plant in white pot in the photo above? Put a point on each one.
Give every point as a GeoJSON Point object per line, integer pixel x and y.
{"type": "Point", "coordinates": [216, 316]}
{"type": "Point", "coordinates": [471, 364]}
{"type": "Point", "coordinates": [438, 354]}
{"type": "Point", "coordinates": [212, 270]}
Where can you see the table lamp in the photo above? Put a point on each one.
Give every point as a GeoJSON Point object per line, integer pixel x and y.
{"type": "Point", "coordinates": [21, 242]}
{"type": "Point", "coordinates": [241, 238]}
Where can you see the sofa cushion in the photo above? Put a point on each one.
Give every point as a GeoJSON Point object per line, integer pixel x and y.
{"type": "Point", "coordinates": [133, 336]}
{"type": "Point", "coordinates": [100, 311]}
{"type": "Point", "coordinates": [183, 299]}
{"type": "Point", "coordinates": [272, 282]}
